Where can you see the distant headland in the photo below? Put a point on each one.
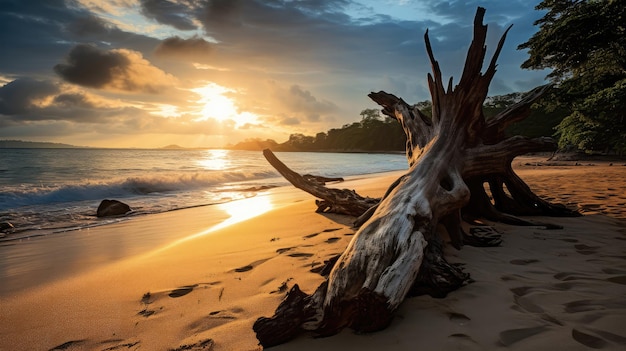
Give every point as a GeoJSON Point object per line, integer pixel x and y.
{"type": "Point", "coordinates": [20, 144]}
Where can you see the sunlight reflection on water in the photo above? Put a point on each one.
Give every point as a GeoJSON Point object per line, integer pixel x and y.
{"type": "Point", "coordinates": [215, 160]}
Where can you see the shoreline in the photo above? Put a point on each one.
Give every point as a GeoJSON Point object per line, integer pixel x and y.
{"type": "Point", "coordinates": [543, 287]}
{"type": "Point", "coordinates": [92, 247]}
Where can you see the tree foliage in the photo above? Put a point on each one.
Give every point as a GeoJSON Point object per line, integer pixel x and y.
{"type": "Point", "coordinates": [584, 43]}
{"type": "Point", "coordinates": [378, 133]}
{"type": "Point", "coordinates": [374, 133]}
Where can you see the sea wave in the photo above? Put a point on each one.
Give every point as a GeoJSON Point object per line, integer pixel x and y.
{"type": "Point", "coordinates": [14, 197]}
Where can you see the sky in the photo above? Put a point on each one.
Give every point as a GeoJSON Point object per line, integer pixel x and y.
{"type": "Point", "coordinates": [208, 73]}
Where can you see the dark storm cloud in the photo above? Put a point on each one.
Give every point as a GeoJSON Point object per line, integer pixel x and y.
{"type": "Point", "coordinates": [277, 36]}
{"type": "Point", "coordinates": [280, 35]}
{"type": "Point", "coordinates": [28, 107]}
{"type": "Point", "coordinates": [168, 12]}
{"type": "Point", "coordinates": [91, 67]}
{"type": "Point", "coordinates": [119, 69]}
{"type": "Point", "coordinates": [321, 35]}
{"type": "Point", "coordinates": [20, 95]}
{"type": "Point", "coordinates": [194, 48]}
{"type": "Point", "coordinates": [27, 99]}
{"type": "Point", "coordinates": [35, 34]}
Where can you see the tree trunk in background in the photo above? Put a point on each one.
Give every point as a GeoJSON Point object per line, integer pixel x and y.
{"type": "Point", "coordinates": [397, 249]}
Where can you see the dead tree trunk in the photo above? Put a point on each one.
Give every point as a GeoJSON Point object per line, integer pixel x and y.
{"type": "Point", "coordinates": [396, 250]}
{"type": "Point", "coordinates": [332, 200]}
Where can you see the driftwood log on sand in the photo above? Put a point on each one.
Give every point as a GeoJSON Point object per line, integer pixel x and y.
{"type": "Point", "coordinates": [397, 250]}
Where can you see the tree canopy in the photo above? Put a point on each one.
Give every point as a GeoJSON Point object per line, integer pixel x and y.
{"type": "Point", "coordinates": [584, 43]}
{"type": "Point", "coordinates": [378, 133]}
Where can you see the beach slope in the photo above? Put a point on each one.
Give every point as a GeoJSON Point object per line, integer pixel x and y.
{"type": "Point", "coordinates": [559, 289]}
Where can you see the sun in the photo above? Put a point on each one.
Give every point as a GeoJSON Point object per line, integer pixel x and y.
{"type": "Point", "coordinates": [216, 105]}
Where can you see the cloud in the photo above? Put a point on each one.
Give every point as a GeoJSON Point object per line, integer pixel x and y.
{"type": "Point", "coordinates": [302, 66]}
{"type": "Point", "coordinates": [22, 95]}
{"type": "Point", "coordinates": [222, 13]}
{"type": "Point", "coordinates": [194, 48]}
{"type": "Point", "coordinates": [290, 121]}
{"type": "Point", "coordinates": [88, 25]}
{"type": "Point", "coordinates": [167, 12]}
{"type": "Point", "coordinates": [25, 100]}
{"type": "Point", "coordinates": [300, 100]}
{"type": "Point", "coordinates": [28, 107]}
{"type": "Point", "coordinates": [117, 69]}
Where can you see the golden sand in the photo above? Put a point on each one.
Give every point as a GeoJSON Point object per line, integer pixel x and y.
{"type": "Point", "coordinates": [542, 289]}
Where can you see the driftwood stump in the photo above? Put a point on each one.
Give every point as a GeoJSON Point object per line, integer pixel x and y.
{"type": "Point", "coordinates": [397, 251]}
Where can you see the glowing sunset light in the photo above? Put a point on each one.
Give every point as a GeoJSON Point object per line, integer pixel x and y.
{"type": "Point", "coordinates": [238, 211]}
{"type": "Point", "coordinates": [218, 106]}
{"type": "Point", "coordinates": [215, 160]}
{"type": "Point", "coordinates": [166, 111]}
{"type": "Point", "coordinates": [242, 210]}
{"type": "Point", "coordinates": [129, 73]}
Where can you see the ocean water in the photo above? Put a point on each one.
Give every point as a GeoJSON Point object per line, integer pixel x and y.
{"type": "Point", "coordinates": [49, 191]}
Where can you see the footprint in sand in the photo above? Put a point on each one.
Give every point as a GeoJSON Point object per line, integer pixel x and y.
{"type": "Point", "coordinates": [300, 254]}
{"type": "Point", "coordinates": [523, 262]}
{"type": "Point", "coordinates": [458, 318]}
{"type": "Point", "coordinates": [244, 269]}
{"type": "Point", "coordinates": [200, 345]}
{"type": "Point", "coordinates": [182, 291]}
{"type": "Point", "coordinates": [323, 231]}
{"type": "Point", "coordinates": [283, 250]}
{"type": "Point", "coordinates": [125, 346]}
{"type": "Point", "coordinates": [588, 340]}
{"type": "Point", "coordinates": [250, 266]}
{"type": "Point", "coordinates": [146, 312]}
{"type": "Point", "coordinates": [146, 300]}
{"type": "Point", "coordinates": [66, 345]}
{"type": "Point", "coordinates": [330, 230]}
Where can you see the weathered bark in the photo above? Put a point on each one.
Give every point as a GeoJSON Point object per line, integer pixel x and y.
{"type": "Point", "coordinates": [333, 200]}
{"type": "Point", "coordinates": [397, 249]}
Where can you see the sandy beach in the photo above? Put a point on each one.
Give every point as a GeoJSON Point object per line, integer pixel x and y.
{"type": "Point", "coordinates": [542, 289]}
